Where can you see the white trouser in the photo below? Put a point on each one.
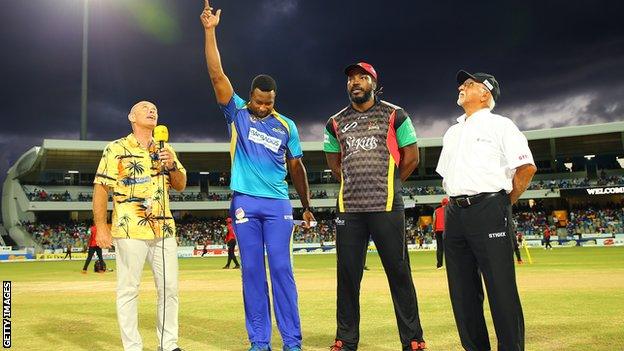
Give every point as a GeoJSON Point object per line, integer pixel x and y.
{"type": "Point", "coordinates": [130, 257]}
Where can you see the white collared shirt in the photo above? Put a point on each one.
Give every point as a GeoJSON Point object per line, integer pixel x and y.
{"type": "Point", "coordinates": [481, 153]}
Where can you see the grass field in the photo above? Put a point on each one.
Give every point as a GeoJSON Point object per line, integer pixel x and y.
{"type": "Point", "coordinates": [573, 299]}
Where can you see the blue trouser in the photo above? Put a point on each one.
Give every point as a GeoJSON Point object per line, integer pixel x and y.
{"type": "Point", "coordinates": [262, 222]}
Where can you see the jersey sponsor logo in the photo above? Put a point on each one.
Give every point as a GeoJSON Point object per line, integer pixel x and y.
{"type": "Point", "coordinates": [363, 143]}
{"type": "Point", "coordinates": [326, 139]}
{"type": "Point", "coordinates": [484, 140]}
{"type": "Point", "coordinates": [497, 235]}
{"type": "Point", "coordinates": [340, 221]}
{"type": "Point", "coordinates": [261, 138]}
{"type": "Point", "coordinates": [349, 126]}
{"type": "Point", "coordinates": [288, 216]}
{"type": "Point", "coordinates": [523, 157]}
{"type": "Point", "coordinates": [242, 220]}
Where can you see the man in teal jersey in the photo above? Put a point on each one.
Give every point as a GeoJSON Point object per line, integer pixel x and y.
{"type": "Point", "coordinates": [264, 146]}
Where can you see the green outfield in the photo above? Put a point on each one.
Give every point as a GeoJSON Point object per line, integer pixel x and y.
{"type": "Point", "coordinates": [573, 299]}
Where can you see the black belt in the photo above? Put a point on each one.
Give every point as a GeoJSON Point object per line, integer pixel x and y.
{"type": "Point", "coordinates": [467, 201]}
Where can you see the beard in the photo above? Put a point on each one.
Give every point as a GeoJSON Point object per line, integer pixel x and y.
{"type": "Point", "coordinates": [258, 114]}
{"type": "Point", "coordinates": [361, 99]}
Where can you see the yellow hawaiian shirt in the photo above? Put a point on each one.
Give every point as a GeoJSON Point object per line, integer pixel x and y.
{"type": "Point", "coordinates": [134, 175]}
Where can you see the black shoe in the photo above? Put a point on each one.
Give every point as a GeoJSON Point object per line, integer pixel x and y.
{"type": "Point", "coordinates": [177, 349]}
{"type": "Point", "coordinates": [226, 267]}
{"type": "Point", "coordinates": [236, 267]}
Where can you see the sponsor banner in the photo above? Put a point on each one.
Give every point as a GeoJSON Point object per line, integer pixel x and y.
{"type": "Point", "coordinates": [6, 249]}
{"type": "Point", "coordinates": [607, 190]}
{"type": "Point", "coordinates": [201, 247]}
{"type": "Point", "coordinates": [210, 252]}
{"type": "Point", "coordinates": [60, 256]}
{"type": "Point", "coordinates": [610, 242]}
{"type": "Point", "coordinates": [15, 256]}
{"type": "Point", "coordinates": [306, 245]}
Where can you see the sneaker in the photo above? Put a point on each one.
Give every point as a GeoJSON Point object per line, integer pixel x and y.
{"type": "Point", "coordinates": [417, 345]}
{"type": "Point", "coordinates": [439, 267]}
{"type": "Point", "coordinates": [84, 271]}
{"type": "Point", "coordinates": [226, 267]}
{"type": "Point", "coordinates": [520, 262]}
{"type": "Point", "coordinates": [337, 346]}
{"type": "Point", "coordinates": [291, 348]}
{"type": "Point", "coordinates": [237, 267]}
{"type": "Point", "coordinates": [256, 347]}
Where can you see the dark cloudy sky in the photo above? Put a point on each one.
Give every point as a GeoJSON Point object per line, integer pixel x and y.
{"type": "Point", "coordinates": [558, 62]}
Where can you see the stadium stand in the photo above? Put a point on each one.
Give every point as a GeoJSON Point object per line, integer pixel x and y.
{"type": "Point", "coordinates": [51, 184]}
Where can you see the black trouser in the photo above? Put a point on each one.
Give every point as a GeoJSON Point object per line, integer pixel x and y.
{"type": "Point", "coordinates": [546, 241]}
{"type": "Point", "coordinates": [388, 232]}
{"type": "Point", "coordinates": [92, 250]}
{"type": "Point", "coordinates": [439, 248]}
{"type": "Point", "coordinates": [479, 242]}
{"type": "Point", "coordinates": [68, 253]}
{"type": "Point", "coordinates": [231, 256]}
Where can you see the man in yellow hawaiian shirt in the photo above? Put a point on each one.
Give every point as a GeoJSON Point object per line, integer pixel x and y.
{"type": "Point", "coordinates": [139, 175]}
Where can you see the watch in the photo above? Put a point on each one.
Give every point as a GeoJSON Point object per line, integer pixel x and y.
{"type": "Point", "coordinates": [174, 168]}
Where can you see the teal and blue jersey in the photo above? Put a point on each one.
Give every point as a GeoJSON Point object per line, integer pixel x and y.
{"type": "Point", "coordinates": [259, 149]}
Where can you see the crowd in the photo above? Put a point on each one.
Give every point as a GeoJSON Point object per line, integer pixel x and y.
{"type": "Point", "coordinates": [193, 231]}
{"type": "Point", "coordinates": [581, 221]}
{"type": "Point", "coordinates": [58, 235]}
{"type": "Point", "coordinates": [605, 180]}
{"type": "Point", "coordinates": [551, 184]}
{"type": "Point", "coordinates": [411, 191]}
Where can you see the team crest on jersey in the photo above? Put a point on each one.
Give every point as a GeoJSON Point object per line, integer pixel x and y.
{"type": "Point", "coordinates": [239, 213]}
{"type": "Point", "coordinates": [278, 130]}
{"type": "Point", "coordinates": [372, 125]}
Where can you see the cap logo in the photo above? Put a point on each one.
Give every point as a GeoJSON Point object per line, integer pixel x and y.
{"type": "Point", "coordinates": [488, 84]}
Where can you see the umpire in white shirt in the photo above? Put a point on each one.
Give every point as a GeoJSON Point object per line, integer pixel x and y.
{"type": "Point", "coordinates": [486, 165]}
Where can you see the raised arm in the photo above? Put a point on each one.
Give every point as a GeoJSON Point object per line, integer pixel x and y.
{"type": "Point", "coordinates": [220, 82]}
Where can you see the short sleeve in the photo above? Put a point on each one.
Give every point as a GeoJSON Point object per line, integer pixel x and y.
{"type": "Point", "coordinates": [294, 145]}
{"type": "Point", "coordinates": [229, 110]}
{"type": "Point", "coordinates": [441, 168]}
{"type": "Point", "coordinates": [405, 132]}
{"type": "Point", "coordinates": [330, 142]}
{"type": "Point", "coordinates": [515, 146]}
{"type": "Point", "coordinates": [107, 171]}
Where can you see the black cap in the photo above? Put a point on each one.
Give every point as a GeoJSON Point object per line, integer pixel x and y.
{"type": "Point", "coordinates": [486, 79]}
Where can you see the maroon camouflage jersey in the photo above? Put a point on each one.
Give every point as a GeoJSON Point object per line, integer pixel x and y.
{"type": "Point", "coordinates": [369, 144]}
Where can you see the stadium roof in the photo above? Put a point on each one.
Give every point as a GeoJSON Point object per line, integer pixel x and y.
{"type": "Point", "coordinates": [83, 156]}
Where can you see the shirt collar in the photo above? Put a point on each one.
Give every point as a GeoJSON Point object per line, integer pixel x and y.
{"type": "Point", "coordinates": [483, 111]}
{"type": "Point", "coordinates": [135, 143]}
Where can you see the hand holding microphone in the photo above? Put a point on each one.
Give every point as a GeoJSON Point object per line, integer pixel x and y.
{"type": "Point", "coordinates": [161, 136]}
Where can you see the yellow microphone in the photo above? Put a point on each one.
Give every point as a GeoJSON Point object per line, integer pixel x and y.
{"type": "Point", "coordinates": [161, 135]}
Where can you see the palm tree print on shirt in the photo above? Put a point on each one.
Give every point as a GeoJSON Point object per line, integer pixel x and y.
{"type": "Point", "coordinates": [124, 224]}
